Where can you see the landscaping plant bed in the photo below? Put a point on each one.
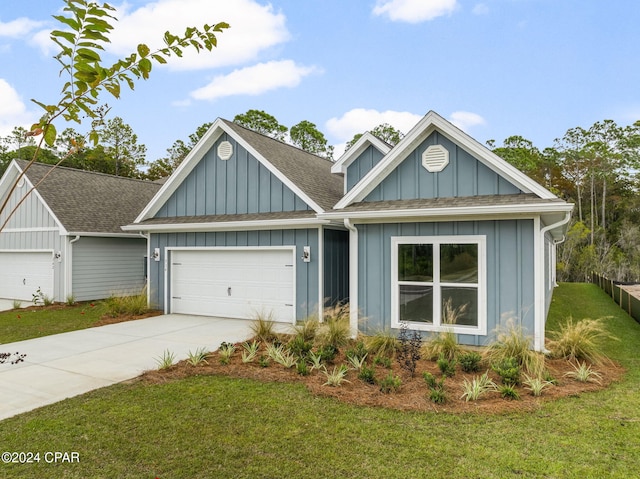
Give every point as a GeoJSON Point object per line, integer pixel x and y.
{"type": "Point", "coordinates": [413, 393]}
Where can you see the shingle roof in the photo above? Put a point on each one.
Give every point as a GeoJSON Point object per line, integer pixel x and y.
{"type": "Point", "coordinates": [309, 172]}
{"type": "Point", "coordinates": [280, 215]}
{"type": "Point", "coordinates": [90, 202]}
{"type": "Point", "coordinates": [453, 202]}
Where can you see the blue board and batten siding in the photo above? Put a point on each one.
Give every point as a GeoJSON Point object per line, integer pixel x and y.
{"type": "Point", "coordinates": [464, 176]}
{"type": "Point", "coordinates": [369, 158]}
{"type": "Point", "coordinates": [239, 185]}
{"type": "Point", "coordinates": [510, 262]}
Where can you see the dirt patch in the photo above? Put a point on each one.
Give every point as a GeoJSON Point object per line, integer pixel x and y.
{"type": "Point", "coordinates": [413, 394]}
{"type": "Point", "coordinates": [106, 319]}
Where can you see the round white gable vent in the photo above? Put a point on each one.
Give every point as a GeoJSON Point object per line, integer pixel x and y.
{"type": "Point", "coordinates": [225, 150]}
{"type": "Point", "coordinates": [435, 158]}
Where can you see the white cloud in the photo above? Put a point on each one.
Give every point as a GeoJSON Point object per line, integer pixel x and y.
{"type": "Point", "coordinates": [254, 29]}
{"type": "Point", "coordinates": [480, 9]}
{"type": "Point", "coordinates": [19, 27]}
{"type": "Point", "coordinates": [254, 80]}
{"type": "Point", "coordinates": [414, 11]}
{"type": "Point", "coordinates": [13, 111]}
{"type": "Point", "coordinates": [465, 119]}
{"type": "Point", "coordinates": [360, 120]}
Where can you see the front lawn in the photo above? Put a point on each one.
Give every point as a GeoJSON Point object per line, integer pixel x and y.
{"type": "Point", "coordinates": [211, 426]}
{"type": "Point", "coordinates": [34, 322]}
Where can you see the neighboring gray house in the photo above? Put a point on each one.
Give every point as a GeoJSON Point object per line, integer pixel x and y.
{"type": "Point", "coordinates": [248, 224]}
{"type": "Point", "coordinates": [66, 239]}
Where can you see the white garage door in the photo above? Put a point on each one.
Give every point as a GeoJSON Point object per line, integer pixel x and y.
{"type": "Point", "coordinates": [22, 273]}
{"type": "Point", "coordinates": [234, 283]}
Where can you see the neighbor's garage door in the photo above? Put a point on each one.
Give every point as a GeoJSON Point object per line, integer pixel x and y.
{"type": "Point", "coordinates": [233, 283]}
{"type": "Point", "coordinates": [23, 273]}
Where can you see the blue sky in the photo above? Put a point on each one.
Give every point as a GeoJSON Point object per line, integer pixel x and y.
{"type": "Point", "coordinates": [495, 68]}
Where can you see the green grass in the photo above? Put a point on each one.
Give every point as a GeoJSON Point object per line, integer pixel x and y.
{"type": "Point", "coordinates": [221, 427]}
{"type": "Point", "coordinates": [21, 324]}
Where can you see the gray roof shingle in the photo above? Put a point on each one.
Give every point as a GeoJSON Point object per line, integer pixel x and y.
{"type": "Point", "coordinates": [90, 202]}
{"type": "Point", "coordinates": [311, 173]}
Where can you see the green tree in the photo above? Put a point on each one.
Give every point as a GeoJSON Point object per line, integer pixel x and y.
{"type": "Point", "coordinates": [262, 122]}
{"type": "Point", "coordinates": [86, 26]}
{"type": "Point", "coordinates": [384, 131]}
{"type": "Point", "coordinates": [306, 136]}
{"type": "Point", "coordinates": [121, 144]}
{"type": "Point", "coordinates": [163, 167]}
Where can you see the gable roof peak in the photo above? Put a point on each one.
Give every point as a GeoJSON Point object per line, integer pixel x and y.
{"type": "Point", "coordinates": [431, 122]}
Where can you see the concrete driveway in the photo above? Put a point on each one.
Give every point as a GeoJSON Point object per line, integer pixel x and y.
{"type": "Point", "coordinates": [65, 365]}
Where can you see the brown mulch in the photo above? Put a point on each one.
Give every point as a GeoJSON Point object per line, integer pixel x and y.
{"type": "Point", "coordinates": [413, 394]}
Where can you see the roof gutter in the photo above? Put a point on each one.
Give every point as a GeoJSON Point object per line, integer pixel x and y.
{"type": "Point", "coordinates": [229, 225]}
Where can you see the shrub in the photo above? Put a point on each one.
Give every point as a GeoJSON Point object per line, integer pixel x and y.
{"type": "Point", "coordinates": [307, 329]}
{"type": "Point", "coordinates": [382, 344]}
{"type": "Point", "coordinates": [445, 342]}
{"type": "Point", "coordinates": [17, 304]}
{"type": "Point", "coordinates": [408, 353]}
{"type": "Point", "coordinates": [438, 396]}
{"type": "Point", "coordinates": [316, 360]}
{"type": "Point", "coordinates": [383, 361]}
{"type": "Point", "coordinates": [359, 351]}
{"type": "Point", "coordinates": [478, 386]}
{"type": "Point", "coordinates": [328, 353]}
{"type": "Point", "coordinates": [263, 361]}
{"type": "Point", "coordinates": [470, 361]}
{"type": "Point", "coordinates": [133, 305]}
{"type": "Point", "coordinates": [337, 376]}
{"type": "Point", "coordinates": [299, 346]}
{"type": "Point", "coordinates": [166, 360]}
{"type": "Point", "coordinates": [250, 351]}
{"type": "Point", "coordinates": [335, 330]}
{"type": "Point", "coordinates": [447, 366]}
{"type": "Point", "coordinates": [263, 327]}
{"type": "Point", "coordinates": [583, 373]}
{"type": "Point", "coordinates": [225, 352]}
{"type": "Point", "coordinates": [71, 300]}
{"type": "Point", "coordinates": [536, 385]}
{"type": "Point", "coordinates": [512, 342]}
{"type": "Point", "coordinates": [430, 379]}
{"type": "Point", "coordinates": [580, 340]}
{"type": "Point", "coordinates": [508, 392]}
{"type": "Point", "coordinates": [302, 368]}
{"type": "Point", "coordinates": [509, 371]}
{"type": "Point", "coordinates": [390, 383]}
{"type": "Point", "coordinates": [367, 375]}
{"type": "Point", "coordinates": [357, 362]}
{"type": "Point", "coordinates": [199, 357]}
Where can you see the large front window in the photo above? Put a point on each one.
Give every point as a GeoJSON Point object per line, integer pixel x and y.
{"type": "Point", "coordinates": [439, 282]}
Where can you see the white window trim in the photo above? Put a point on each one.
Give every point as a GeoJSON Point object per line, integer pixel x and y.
{"type": "Point", "coordinates": [481, 242]}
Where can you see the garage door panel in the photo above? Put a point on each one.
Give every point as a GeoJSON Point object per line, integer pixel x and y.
{"type": "Point", "coordinates": [233, 283]}
{"type": "Point", "coordinates": [23, 273]}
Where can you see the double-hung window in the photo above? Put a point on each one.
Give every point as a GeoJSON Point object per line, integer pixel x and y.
{"type": "Point", "coordinates": [431, 273]}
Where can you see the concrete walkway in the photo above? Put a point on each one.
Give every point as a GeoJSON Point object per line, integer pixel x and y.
{"type": "Point", "coordinates": [65, 365]}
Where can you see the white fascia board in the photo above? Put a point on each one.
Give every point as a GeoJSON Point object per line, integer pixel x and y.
{"type": "Point", "coordinates": [427, 125]}
{"type": "Point", "coordinates": [90, 234]}
{"type": "Point", "coordinates": [229, 226]}
{"type": "Point", "coordinates": [34, 191]}
{"type": "Point", "coordinates": [177, 177]}
{"type": "Point", "coordinates": [348, 157]}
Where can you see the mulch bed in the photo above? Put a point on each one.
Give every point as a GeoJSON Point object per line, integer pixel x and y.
{"type": "Point", "coordinates": [413, 394]}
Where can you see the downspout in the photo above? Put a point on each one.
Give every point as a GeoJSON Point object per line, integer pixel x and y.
{"type": "Point", "coordinates": [68, 276]}
{"type": "Point", "coordinates": [146, 237]}
{"type": "Point", "coordinates": [353, 277]}
{"type": "Point", "coordinates": [540, 303]}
